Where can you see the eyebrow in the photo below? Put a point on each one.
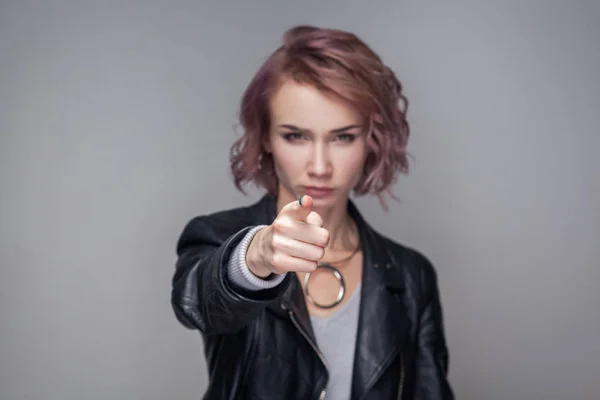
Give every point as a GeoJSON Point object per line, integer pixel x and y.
{"type": "Point", "coordinates": [337, 130]}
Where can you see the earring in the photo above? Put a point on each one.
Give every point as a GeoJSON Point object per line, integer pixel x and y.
{"type": "Point", "coordinates": [260, 157]}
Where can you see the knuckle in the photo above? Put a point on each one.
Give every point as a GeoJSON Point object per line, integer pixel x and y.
{"type": "Point", "coordinates": [277, 270]}
{"type": "Point", "coordinates": [276, 241]}
{"type": "Point", "coordinates": [278, 225]}
{"type": "Point", "coordinates": [275, 259]}
{"type": "Point", "coordinates": [325, 237]}
{"type": "Point", "coordinates": [320, 253]}
{"type": "Point", "coordinates": [280, 263]}
{"type": "Point", "coordinates": [312, 267]}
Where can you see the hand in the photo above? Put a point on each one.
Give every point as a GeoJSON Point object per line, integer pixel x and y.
{"type": "Point", "coordinates": [294, 242]}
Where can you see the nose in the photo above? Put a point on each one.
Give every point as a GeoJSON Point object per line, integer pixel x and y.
{"type": "Point", "coordinates": [319, 165]}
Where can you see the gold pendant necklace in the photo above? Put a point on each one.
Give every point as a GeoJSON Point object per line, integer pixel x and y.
{"type": "Point", "coordinates": [338, 276]}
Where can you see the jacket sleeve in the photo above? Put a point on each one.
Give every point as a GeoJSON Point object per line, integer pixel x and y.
{"type": "Point", "coordinates": [202, 297]}
{"type": "Point", "coordinates": [432, 352]}
{"type": "Point", "coordinates": [238, 272]}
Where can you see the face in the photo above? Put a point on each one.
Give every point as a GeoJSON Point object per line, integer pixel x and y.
{"type": "Point", "coordinates": [318, 145]}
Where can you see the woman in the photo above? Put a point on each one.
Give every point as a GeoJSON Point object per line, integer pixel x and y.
{"type": "Point", "coordinates": [296, 296]}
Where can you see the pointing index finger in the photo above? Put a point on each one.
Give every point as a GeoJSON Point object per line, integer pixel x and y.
{"type": "Point", "coordinates": [299, 209]}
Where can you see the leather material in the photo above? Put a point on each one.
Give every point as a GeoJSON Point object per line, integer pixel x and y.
{"type": "Point", "coordinates": [260, 345]}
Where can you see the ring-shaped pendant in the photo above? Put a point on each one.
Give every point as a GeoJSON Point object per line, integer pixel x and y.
{"type": "Point", "coordinates": [341, 292]}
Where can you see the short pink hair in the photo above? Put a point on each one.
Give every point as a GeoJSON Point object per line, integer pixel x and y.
{"type": "Point", "coordinates": [337, 63]}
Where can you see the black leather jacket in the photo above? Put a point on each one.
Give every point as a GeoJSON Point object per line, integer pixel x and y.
{"type": "Point", "coordinates": [260, 345]}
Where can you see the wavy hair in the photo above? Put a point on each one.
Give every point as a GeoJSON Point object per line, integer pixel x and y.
{"type": "Point", "coordinates": [340, 64]}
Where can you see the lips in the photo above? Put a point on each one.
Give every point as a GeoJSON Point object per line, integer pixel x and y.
{"type": "Point", "coordinates": [318, 192]}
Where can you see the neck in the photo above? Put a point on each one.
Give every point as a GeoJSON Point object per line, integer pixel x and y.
{"type": "Point", "coordinates": [342, 231]}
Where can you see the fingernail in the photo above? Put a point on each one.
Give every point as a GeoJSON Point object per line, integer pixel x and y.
{"type": "Point", "coordinates": [300, 199]}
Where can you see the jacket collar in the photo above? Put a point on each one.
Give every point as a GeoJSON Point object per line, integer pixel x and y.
{"type": "Point", "coordinates": [383, 320]}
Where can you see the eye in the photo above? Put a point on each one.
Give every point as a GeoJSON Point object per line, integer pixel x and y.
{"type": "Point", "coordinates": [345, 137]}
{"type": "Point", "coordinates": [293, 136]}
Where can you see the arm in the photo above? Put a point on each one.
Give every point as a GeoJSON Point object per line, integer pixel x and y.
{"type": "Point", "coordinates": [432, 352]}
{"type": "Point", "coordinates": [202, 296]}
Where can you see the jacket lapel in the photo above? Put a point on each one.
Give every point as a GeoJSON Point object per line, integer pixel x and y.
{"type": "Point", "coordinates": [383, 320]}
{"type": "Point", "coordinates": [294, 299]}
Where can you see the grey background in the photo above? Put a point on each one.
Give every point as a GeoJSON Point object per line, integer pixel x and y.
{"type": "Point", "coordinates": [116, 120]}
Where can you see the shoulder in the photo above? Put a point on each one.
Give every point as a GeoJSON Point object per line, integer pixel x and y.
{"type": "Point", "coordinates": [216, 227]}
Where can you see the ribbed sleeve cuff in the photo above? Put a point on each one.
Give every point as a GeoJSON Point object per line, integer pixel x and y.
{"type": "Point", "coordinates": [238, 271]}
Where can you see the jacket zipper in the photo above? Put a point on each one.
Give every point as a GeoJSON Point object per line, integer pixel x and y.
{"type": "Point", "coordinates": [315, 348]}
{"type": "Point", "coordinates": [401, 385]}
